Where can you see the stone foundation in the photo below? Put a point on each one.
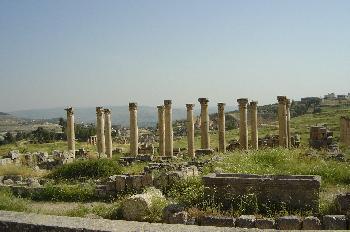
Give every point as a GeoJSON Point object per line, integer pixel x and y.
{"type": "Point", "coordinates": [296, 192]}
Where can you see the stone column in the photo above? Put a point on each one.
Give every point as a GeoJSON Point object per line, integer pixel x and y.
{"type": "Point", "coordinates": [289, 139]}
{"type": "Point", "coordinates": [254, 124]}
{"type": "Point", "coordinates": [161, 125]}
{"type": "Point", "coordinates": [134, 139]}
{"type": "Point", "coordinates": [221, 127]}
{"type": "Point", "coordinates": [168, 128]}
{"type": "Point", "coordinates": [70, 130]}
{"type": "Point", "coordinates": [282, 121]}
{"type": "Point", "coordinates": [100, 130]}
{"type": "Point", "coordinates": [342, 129]}
{"type": "Point", "coordinates": [108, 133]}
{"type": "Point", "coordinates": [190, 130]}
{"type": "Point", "coordinates": [205, 140]}
{"type": "Point", "coordinates": [243, 125]}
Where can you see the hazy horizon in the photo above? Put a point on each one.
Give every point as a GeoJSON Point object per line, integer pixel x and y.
{"type": "Point", "coordinates": [87, 53]}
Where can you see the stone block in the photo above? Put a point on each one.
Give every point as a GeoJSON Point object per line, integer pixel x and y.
{"type": "Point", "coordinates": [288, 223]}
{"type": "Point", "coordinates": [120, 183]}
{"type": "Point", "coordinates": [312, 223]}
{"type": "Point", "coordinates": [265, 223]}
{"type": "Point", "coordinates": [137, 182]}
{"type": "Point", "coordinates": [170, 210]}
{"type": "Point", "coordinates": [334, 222]}
{"type": "Point", "coordinates": [178, 218]}
{"type": "Point", "coordinates": [342, 201]}
{"type": "Point", "coordinates": [147, 180]}
{"type": "Point", "coordinates": [246, 221]}
{"type": "Point", "coordinates": [200, 152]}
{"type": "Point", "coordinates": [218, 221]}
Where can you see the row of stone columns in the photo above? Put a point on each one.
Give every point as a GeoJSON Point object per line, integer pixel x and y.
{"type": "Point", "coordinates": [104, 131]}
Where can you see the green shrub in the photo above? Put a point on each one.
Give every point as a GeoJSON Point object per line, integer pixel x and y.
{"type": "Point", "coordinates": [65, 192]}
{"type": "Point", "coordinates": [92, 168]}
{"type": "Point", "coordinates": [188, 192]}
{"type": "Point", "coordinates": [11, 203]}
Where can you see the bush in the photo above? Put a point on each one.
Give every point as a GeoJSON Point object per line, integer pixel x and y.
{"type": "Point", "coordinates": [93, 168]}
{"type": "Point", "coordinates": [11, 203]}
{"type": "Point", "coordinates": [188, 192]}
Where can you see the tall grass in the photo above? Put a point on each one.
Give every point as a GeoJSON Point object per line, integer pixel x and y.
{"type": "Point", "coordinates": [283, 161]}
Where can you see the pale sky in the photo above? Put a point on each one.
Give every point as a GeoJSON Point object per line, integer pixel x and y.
{"type": "Point", "coordinates": [89, 53]}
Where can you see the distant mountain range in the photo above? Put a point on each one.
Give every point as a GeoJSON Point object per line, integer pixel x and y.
{"type": "Point", "coordinates": [147, 115]}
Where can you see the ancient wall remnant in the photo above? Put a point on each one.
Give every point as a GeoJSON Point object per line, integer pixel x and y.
{"type": "Point", "coordinates": [295, 191]}
{"type": "Point", "coordinates": [345, 130]}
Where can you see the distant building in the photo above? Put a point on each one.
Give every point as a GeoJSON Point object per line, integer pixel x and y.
{"type": "Point", "coordinates": [330, 96]}
{"type": "Point", "coordinates": [342, 97]}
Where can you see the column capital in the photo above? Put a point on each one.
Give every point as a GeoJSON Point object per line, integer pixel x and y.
{"type": "Point", "coordinates": [282, 99]}
{"type": "Point", "coordinates": [69, 110]}
{"type": "Point", "coordinates": [189, 107]}
{"type": "Point", "coordinates": [160, 108]}
{"type": "Point", "coordinates": [132, 106]}
{"type": "Point", "coordinates": [242, 101]}
{"type": "Point", "coordinates": [167, 102]}
{"type": "Point", "coordinates": [99, 110]}
{"type": "Point", "coordinates": [253, 103]}
{"type": "Point", "coordinates": [203, 101]}
{"type": "Point", "coordinates": [107, 111]}
{"type": "Point", "coordinates": [221, 106]}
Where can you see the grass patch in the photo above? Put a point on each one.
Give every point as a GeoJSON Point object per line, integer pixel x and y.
{"type": "Point", "coordinates": [12, 169]}
{"type": "Point", "coordinates": [11, 203]}
{"type": "Point", "coordinates": [282, 161]}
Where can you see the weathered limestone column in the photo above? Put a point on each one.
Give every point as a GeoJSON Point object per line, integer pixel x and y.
{"type": "Point", "coordinates": [282, 121]}
{"type": "Point", "coordinates": [100, 130]}
{"type": "Point", "coordinates": [108, 133]}
{"type": "Point", "coordinates": [134, 139]}
{"type": "Point", "coordinates": [243, 125]}
{"type": "Point", "coordinates": [221, 127]}
{"type": "Point", "coordinates": [70, 130]}
{"type": "Point", "coordinates": [254, 124]}
{"type": "Point", "coordinates": [161, 125]}
{"type": "Point", "coordinates": [205, 140]}
{"type": "Point", "coordinates": [168, 128]}
{"type": "Point", "coordinates": [190, 130]}
{"type": "Point", "coordinates": [289, 139]}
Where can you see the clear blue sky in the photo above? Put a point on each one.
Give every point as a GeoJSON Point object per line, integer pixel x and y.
{"type": "Point", "coordinates": [88, 53]}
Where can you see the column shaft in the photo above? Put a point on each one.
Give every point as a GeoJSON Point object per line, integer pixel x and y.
{"type": "Point", "coordinates": [254, 124]}
{"type": "Point", "coordinates": [168, 128]}
{"type": "Point", "coordinates": [221, 127]}
{"type": "Point", "coordinates": [190, 130]}
{"type": "Point", "coordinates": [108, 133]}
{"type": "Point", "coordinates": [205, 140]}
{"type": "Point", "coordinates": [134, 140]}
{"type": "Point", "coordinates": [161, 125]}
{"type": "Point", "coordinates": [70, 130]}
{"type": "Point", "coordinates": [289, 139]}
{"type": "Point", "coordinates": [282, 121]}
{"type": "Point", "coordinates": [243, 125]}
{"type": "Point", "coordinates": [100, 131]}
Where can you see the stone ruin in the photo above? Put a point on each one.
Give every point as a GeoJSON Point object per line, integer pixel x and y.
{"type": "Point", "coordinates": [294, 191]}
{"type": "Point", "coordinates": [320, 137]}
{"type": "Point", "coordinates": [345, 130]}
